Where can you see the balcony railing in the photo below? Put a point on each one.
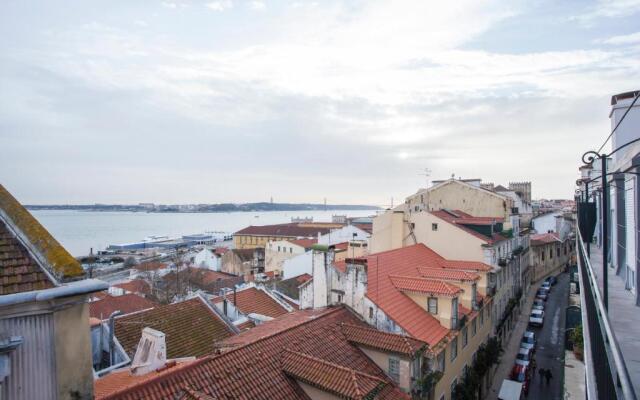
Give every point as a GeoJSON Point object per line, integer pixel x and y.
{"type": "Point", "coordinates": [606, 373]}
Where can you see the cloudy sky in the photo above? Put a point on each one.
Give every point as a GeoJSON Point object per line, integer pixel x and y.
{"type": "Point", "coordinates": [216, 101]}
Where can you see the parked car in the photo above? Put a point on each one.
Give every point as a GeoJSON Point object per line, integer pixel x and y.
{"type": "Point", "coordinates": [522, 374]}
{"type": "Point", "coordinates": [536, 318]}
{"type": "Point", "coordinates": [528, 340]}
{"type": "Point", "coordinates": [524, 357]}
{"type": "Point", "coordinates": [542, 294]}
{"type": "Point", "coordinates": [552, 280]}
{"type": "Point", "coordinates": [546, 286]}
{"type": "Point", "coordinates": [538, 304]}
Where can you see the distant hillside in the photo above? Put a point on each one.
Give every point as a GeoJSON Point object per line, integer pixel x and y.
{"type": "Point", "coordinates": [196, 208]}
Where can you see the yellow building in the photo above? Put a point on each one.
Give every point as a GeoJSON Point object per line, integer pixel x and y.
{"type": "Point", "coordinates": [258, 236]}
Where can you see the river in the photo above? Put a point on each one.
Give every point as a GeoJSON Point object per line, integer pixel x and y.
{"type": "Point", "coordinates": [78, 231]}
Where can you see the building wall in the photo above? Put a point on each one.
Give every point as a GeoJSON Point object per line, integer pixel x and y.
{"type": "Point", "coordinates": [540, 266]}
{"type": "Point", "coordinates": [455, 195]}
{"type": "Point", "coordinates": [206, 259]}
{"type": "Point", "coordinates": [316, 394]}
{"type": "Point", "coordinates": [382, 360]}
{"type": "Point", "coordinates": [298, 265]}
{"type": "Point", "coordinates": [388, 231]}
{"type": "Point", "coordinates": [277, 251]}
{"type": "Point", "coordinates": [343, 234]}
{"type": "Point", "coordinates": [454, 369]}
{"type": "Point", "coordinates": [253, 241]}
{"type": "Point", "coordinates": [73, 352]}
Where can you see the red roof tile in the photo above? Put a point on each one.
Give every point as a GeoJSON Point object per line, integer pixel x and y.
{"type": "Point", "coordinates": [421, 285]}
{"type": "Point", "coordinates": [254, 300]}
{"type": "Point", "coordinates": [121, 380]}
{"type": "Point", "coordinates": [220, 250]}
{"type": "Point", "coordinates": [254, 369]}
{"type": "Point", "coordinates": [126, 303]}
{"type": "Point", "coordinates": [329, 377]}
{"type": "Point", "coordinates": [467, 219]}
{"type": "Point", "coordinates": [19, 272]}
{"type": "Point", "coordinates": [412, 318]}
{"type": "Point", "coordinates": [135, 286]}
{"type": "Point", "coordinates": [303, 278]}
{"type": "Point", "coordinates": [448, 274]}
{"type": "Point", "coordinates": [466, 265]}
{"type": "Point", "coordinates": [383, 340]}
{"type": "Point", "coordinates": [286, 230]}
{"type": "Point", "coordinates": [191, 328]}
{"type": "Point", "coordinates": [306, 243]}
{"type": "Point", "coordinates": [545, 238]}
{"type": "Point", "coordinates": [342, 246]}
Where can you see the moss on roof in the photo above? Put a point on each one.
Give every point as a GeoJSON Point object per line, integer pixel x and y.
{"type": "Point", "coordinates": [61, 263]}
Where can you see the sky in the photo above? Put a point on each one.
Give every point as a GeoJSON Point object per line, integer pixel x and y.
{"type": "Point", "coordinates": [240, 101]}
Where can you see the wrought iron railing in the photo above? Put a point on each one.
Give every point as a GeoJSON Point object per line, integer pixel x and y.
{"type": "Point", "coordinates": [606, 372]}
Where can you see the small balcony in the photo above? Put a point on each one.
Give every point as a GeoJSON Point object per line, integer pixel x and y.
{"type": "Point", "coordinates": [502, 262]}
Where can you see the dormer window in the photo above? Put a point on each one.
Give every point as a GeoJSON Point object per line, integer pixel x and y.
{"type": "Point", "coordinates": [433, 305]}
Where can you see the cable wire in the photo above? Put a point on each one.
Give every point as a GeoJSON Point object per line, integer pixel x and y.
{"type": "Point", "coordinates": [619, 122]}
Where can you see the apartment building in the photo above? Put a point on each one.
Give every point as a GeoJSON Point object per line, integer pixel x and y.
{"type": "Point", "coordinates": [415, 292]}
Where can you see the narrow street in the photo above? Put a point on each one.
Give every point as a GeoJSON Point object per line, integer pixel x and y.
{"type": "Point", "coordinates": [550, 348]}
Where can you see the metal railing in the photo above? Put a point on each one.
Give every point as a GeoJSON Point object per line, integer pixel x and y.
{"type": "Point", "coordinates": [606, 372]}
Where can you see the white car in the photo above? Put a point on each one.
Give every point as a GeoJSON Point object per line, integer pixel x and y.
{"type": "Point", "coordinates": [524, 357]}
{"type": "Point", "coordinates": [536, 318]}
{"type": "Point", "coordinates": [528, 340]}
{"type": "Point", "coordinates": [546, 286]}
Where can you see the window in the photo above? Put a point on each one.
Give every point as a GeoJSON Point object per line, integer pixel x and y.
{"type": "Point", "coordinates": [433, 305]}
{"type": "Point", "coordinates": [454, 383]}
{"type": "Point", "coordinates": [454, 348]}
{"type": "Point", "coordinates": [465, 337]}
{"type": "Point", "coordinates": [441, 360]}
{"type": "Point", "coordinates": [434, 227]}
{"type": "Point", "coordinates": [290, 249]}
{"type": "Point", "coordinates": [542, 255]}
{"type": "Point", "coordinates": [474, 296]}
{"type": "Point", "coordinates": [550, 254]}
{"type": "Point", "coordinates": [394, 368]}
{"type": "Point", "coordinates": [339, 298]}
{"type": "Point", "coordinates": [474, 327]}
{"type": "Point", "coordinates": [454, 313]}
{"type": "Point", "coordinates": [558, 252]}
{"type": "Point", "coordinates": [482, 317]}
{"type": "Point", "coordinates": [278, 248]}
{"type": "Point", "coordinates": [370, 312]}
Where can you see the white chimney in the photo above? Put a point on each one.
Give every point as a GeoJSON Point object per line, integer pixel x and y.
{"type": "Point", "coordinates": [629, 128]}
{"type": "Point", "coordinates": [151, 353]}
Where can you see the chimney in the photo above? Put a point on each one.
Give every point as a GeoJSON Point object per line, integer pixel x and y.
{"type": "Point", "coordinates": [151, 353]}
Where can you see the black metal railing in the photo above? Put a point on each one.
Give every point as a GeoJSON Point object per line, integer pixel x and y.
{"type": "Point", "coordinates": [606, 373]}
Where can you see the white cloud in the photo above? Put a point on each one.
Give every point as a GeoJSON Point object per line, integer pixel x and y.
{"type": "Point", "coordinates": [257, 5]}
{"type": "Point", "coordinates": [622, 39]}
{"type": "Point", "coordinates": [220, 5]}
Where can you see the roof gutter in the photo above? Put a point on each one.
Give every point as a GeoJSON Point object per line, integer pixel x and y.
{"type": "Point", "coordinates": [85, 286]}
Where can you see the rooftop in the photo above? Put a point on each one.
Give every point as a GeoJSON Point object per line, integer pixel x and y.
{"type": "Point", "coordinates": [126, 303]}
{"type": "Point", "coordinates": [306, 243]}
{"type": "Point", "coordinates": [288, 230]}
{"type": "Point", "coordinates": [191, 328]}
{"type": "Point", "coordinates": [462, 220]}
{"type": "Point", "coordinates": [135, 286]}
{"type": "Point", "coordinates": [30, 258]}
{"type": "Point", "coordinates": [255, 366]}
{"type": "Point", "coordinates": [385, 341]}
{"type": "Point", "coordinates": [391, 272]}
{"type": "Point", "coordinates": [254, 300]}
{"type": "Point", "coordinates": [545, 238]}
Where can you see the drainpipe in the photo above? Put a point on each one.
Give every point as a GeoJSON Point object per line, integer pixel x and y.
{"type": "Point", "coordinates": [111, 335]}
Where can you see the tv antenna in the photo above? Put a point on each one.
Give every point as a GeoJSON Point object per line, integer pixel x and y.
{"type": "Point", "coordinates": [426, 174]}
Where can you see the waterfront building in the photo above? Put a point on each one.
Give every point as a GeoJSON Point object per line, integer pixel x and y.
{"type": "Point", "coordinates": [258, 236]}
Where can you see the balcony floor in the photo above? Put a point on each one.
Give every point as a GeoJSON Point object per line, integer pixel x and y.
{"type": "Point", "coordinates": [624, 316]}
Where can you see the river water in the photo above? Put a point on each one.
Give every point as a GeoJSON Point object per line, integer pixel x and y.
{"type": "Point", "coordinates": [78, 231]}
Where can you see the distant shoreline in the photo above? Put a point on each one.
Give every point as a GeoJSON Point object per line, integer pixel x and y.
{"type": "Point", "coordinates": [201, 208]}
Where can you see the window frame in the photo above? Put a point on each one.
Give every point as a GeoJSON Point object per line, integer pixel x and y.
{"type": "Point", "coordinates": [435, 300]}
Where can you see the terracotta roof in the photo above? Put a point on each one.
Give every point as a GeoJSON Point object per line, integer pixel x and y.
{"type": "Point", "coordinates": [302, 278]}
{"type": "Point", "coordinates": [135, 286]}
{"type": "Point", "coordinates": [466, 219]}
{"type": "Point", "coordinates": [421, 285]}
{"type": "Point", "coordinates": [329, 377]}
{"type": "Point", "coordinates": [19, 272]}
{"type": "Point", "coordinates": [383, 340]}
{"type": "Point", "coordinates": [245, 325]}
{"type": "Point", "coordinates": [306, 243]}
{"type": "Point", "coordinates": [220, 250]}
{"type": "Point", "coordinates": [412, 318]}
{"type": "Point", "coordinates": [448, 274]}
{"type": "Point", "coordinates": [51, 255]}
{"type": "Point", "coordinates": [254, 300]}
{"type": "Point", "coordinates": [126, 303]}
{"type": "Point", "coordinates": [286, 230]}
{"type": "Point", "coordinates": [545, 238]}
{"type": "Point", "coordinates": [190, 394]}
{"type": "Point", "coordinates": [191, 328]}
{"type": "Point", "coordinates": [253, 370]}
{"type": "Point", "coordinates": [466, 265]}
{"type": "Point", "coordinates": [119, 380]}
{"type": "Point", "coordinates": [342, 246]}
{"type": "Point", "coordinates": [151, 266]}
{"type": "Point", "coordinates": [289, 286]}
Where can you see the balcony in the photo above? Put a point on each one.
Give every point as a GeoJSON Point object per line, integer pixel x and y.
{"type": "Point", "coordinates": [502, 261]}
{"type": "Point", "coordinates": [611, 352]}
